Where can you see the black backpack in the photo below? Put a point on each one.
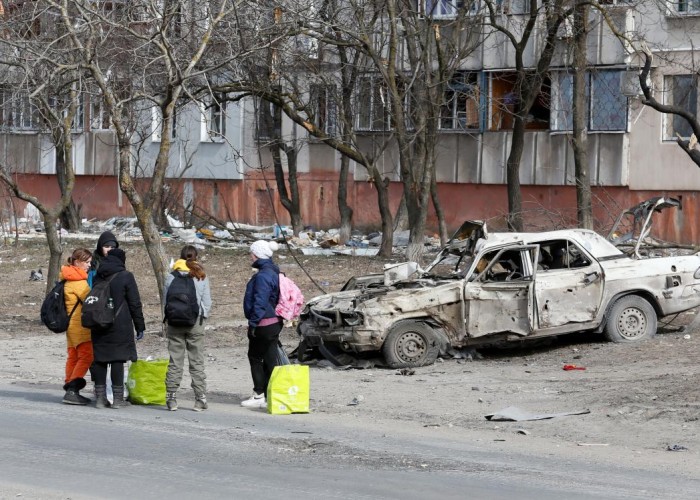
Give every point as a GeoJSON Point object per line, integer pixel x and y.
{"type": "Point", "coordinates": [98, 308]}
{"type": "Point", "coordinates": [181, 306]}
{"type": "Point", "coordinates": [53, 310]}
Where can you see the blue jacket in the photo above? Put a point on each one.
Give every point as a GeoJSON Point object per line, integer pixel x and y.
{"type": "Point", "coordinates": [262, 292]}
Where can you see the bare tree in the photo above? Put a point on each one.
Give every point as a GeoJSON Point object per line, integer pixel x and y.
{"type": "Point", "coordinates": [41, 89]}
{"type": "Point", "coordinates": [528, 78]}
{"type": "Point", "coordinates": [144, 56]}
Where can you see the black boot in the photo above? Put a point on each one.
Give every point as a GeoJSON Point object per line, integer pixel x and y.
{"type": "Point", "coordinates": [101, 400]}
{"type": "Point", "coordinates": [72, 397]}
{"type": "Point", "coordinates": [119, 401]}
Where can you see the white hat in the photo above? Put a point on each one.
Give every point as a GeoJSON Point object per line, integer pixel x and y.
{"type": "Point", "coordinates": [263, 249]}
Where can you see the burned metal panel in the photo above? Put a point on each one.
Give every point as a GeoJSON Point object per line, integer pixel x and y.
{"type": "Point", "coordinates": [669, 280]}
{"type": "Point", "coordinates": [547, 170]}
{"type": "Point", "coordinates": [441, 304]}
{"type": "Point", "coordinates": [568, 295]}
{"type": "Point", "coordinates": [497, 307]}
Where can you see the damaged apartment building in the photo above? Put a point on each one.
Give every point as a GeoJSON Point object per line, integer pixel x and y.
{"type": "Point", "coordinates": [219, 162]}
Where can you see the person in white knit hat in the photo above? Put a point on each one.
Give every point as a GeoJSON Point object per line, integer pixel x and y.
{"type": "Point", "coordinates": [264, 326]}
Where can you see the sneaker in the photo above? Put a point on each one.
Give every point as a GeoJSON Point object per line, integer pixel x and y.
{"type": "Point", "coordinates": [72, 398]}
{"type": "Point", "coordinates": [171, 402]}
{"type": "Point", "coordinates": [255, 401]}
{"type": "Point", "coordinates": [200, 404]}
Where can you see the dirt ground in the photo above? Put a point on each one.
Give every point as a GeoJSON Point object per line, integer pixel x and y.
{"type": "Point", "coordinates": [642, 398]}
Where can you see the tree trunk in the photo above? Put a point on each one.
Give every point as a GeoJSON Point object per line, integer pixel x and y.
{"type": "Point", "coordinates": [144, 216]}
{"type": "Point", "coordinates": [442, 225]}
{"type": "Point", "coordinates": [344, 209]}
{"type": "Point", "coordinates": [70, 215]}
{"type": "Point", "coordinates": [291, 204]}
{"type": "Point", "coordinates": [584, 211]}
{"type": "Point", "coordinates": [401, 217]}
{"type": "Point", "coordinates": [55, 249]}
{"type": "Point", "coordinates": [515, 200]}
{"type": "Point", "coordinates": [382, 186]}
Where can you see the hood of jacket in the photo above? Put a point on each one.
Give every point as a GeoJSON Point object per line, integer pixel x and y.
{"type": "Point", "coordinates": [72, 273]}
{"type": "Point", "coordinates": [104, 238]}
{"type": "Point", "coordinates": [110, 265]}
{"type": "Point", "coordinates": [181, 265]}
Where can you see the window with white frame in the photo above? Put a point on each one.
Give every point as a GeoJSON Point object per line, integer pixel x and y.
{"type": "Point", "coordinates": [449, 9]}
{"type": "Point", "coordinates": [680, 91]}
{"type": "Point", "coordinates": [157, 124]}
{"type": "Point", "coordinates": [99, 117]}
{"type": "Point", "coordinates": [372, 104]}
{"type": "Point", "coordinates": [607, 106]}
{"type": "Point", "coordinates": [156, 121]}
{"type": "Point", "coordinates": [268, 123]}
{"type": "Point", "coordinates": [214, 119]}
{"type": "Point", "coordinates": [323, 107]}
{"type": "Point", "coordinates": [17, 112]}
{"type": "Point", "coordinates": [461, 108]}
{"type": "Point", "coordinates": [687, 6]}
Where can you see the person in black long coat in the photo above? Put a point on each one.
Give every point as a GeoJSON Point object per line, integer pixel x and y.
{"type": "Point", "coordinates": [115, 346]}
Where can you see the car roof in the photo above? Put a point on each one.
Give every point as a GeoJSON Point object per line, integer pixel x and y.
{"type": "Point", "coordinates": [594, 243]}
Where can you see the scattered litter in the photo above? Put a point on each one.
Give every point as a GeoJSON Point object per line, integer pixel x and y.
{"type": "Point", "coordinates": [431, 425]}
{"type": "Point", "coordinates": [500, 440]}
{"type": "Point", "coordinates": [514, 414]}
{"type": "Point", "coordinates": [406, 371]}
{"type": "Point", "coordinates": [36, 276]}
{"type": "Point", "coordinates": [592, 444]}
{"type": "Point", "coordinates": [522, 431]}
{"type": "Point", "coordinates": [356, 400]}
{"type": "Point", "coordinates": [475, 388]}
{"type": "Point", "coordinates": [302, 432]}
{"type": "Point", "coordinates": [686, 337]}
{"type": "Point", "coordinates": [676, 447]}
{"type": "Point", "coordinates": [573, 367]}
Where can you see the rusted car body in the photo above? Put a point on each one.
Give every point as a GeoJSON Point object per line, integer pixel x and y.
{"type": "Point", "coordinates": [499, 287]}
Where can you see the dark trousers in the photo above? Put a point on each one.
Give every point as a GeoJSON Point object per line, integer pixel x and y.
{"type": "Point", "coordinates": [262, 354]}
{"type": "Point", "coordinates": [98, 371]}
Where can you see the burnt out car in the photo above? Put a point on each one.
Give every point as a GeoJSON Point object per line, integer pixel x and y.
{"type": "Point", "coordinates": [499, 287]}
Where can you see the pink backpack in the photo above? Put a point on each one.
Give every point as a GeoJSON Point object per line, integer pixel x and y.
{"type": "Point", "coordinates": [291, 300]}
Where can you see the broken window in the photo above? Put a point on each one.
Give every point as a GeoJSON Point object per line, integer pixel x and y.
{"type": "Point", "coordinates": [461, 109]}
{"type": "Point", "coordinates": [680, 91]}
{"type": "Point", "coordinates": [505, 265]}
{"type": "Point", "coordinates": [503, 99]}
{"type": "Point", "coordinates": [561, 254]}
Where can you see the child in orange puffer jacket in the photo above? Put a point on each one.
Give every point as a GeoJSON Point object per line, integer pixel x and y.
{"type": "Point", "coordinates": [78, 337]}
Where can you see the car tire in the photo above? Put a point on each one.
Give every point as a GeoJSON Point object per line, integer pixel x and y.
{"type": "Point", "coordinates": [410, 344]}
{"type": "Point", "coordinates": [630, 319]}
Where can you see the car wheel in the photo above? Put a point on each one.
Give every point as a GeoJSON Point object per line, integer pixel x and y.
{"type": "Point", "coordinates": [410, 344]}
{"type": "Point", "coordinates": [631, 319]}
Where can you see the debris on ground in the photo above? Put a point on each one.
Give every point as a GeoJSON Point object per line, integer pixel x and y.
{"type": "Point", "coordinates": [569, 368]}
{"type": "Point", "coordinates": [676, 447]}
{"type": "Point", "coordinates": [514, 414]}
{"type": "Point", "coordinates": [36, 275]}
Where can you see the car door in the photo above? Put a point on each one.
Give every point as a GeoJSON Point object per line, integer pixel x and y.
{"type": "Point", "coordinates": [568, 286]}
{"type": "Point", "coordinates": [498, 296]}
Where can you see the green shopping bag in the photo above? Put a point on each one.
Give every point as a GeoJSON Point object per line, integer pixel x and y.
{"type": "Point", "coordinates": [288, 390]}
{"type": "Point", "coordinates": [146, 382]}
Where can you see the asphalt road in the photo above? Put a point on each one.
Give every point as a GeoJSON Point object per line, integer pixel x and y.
{"type": "Point", "coordinates": [49, 450]}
